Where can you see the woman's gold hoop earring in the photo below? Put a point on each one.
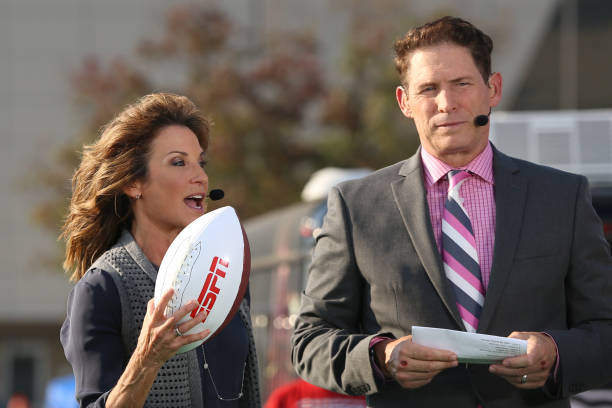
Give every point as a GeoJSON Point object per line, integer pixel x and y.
{"type": "Point", "coordinates": [115, 200]}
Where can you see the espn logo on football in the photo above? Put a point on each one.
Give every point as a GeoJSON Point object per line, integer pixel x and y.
{"type": "Point", "coordinates": [210, 290]}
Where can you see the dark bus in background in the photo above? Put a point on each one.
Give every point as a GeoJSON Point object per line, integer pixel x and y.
{"type": "Point", "coordinates": [281, 244]}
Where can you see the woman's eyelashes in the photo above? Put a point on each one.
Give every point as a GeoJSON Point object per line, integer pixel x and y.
{"type": "Point", "coordinates": [180, 162]}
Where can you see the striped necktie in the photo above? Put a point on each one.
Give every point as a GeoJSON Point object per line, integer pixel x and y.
{"type": "Point", "coordinates": [459, 254]}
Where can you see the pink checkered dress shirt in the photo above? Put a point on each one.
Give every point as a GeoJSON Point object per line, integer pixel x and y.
{"type": "Point", "coordinates": [479, 201]}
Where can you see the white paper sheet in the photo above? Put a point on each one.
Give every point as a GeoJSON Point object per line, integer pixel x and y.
{"type": "Point", "coordinates": [471, 348]}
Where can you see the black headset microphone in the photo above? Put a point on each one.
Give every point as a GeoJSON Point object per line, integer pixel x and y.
{"type": "Point", "coordinates": [215, 194]}
{"type": "Point", "coordinates": [482, 120]}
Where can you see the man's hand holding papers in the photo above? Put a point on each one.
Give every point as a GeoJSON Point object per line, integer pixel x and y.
{"type": "Point", "coordinates": [533, 369]}
{"type": "Point", "coordinates": [524, 359]}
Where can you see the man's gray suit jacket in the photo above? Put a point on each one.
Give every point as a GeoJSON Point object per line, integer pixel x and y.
{"type": "Point", "coordinates": [377, 271]}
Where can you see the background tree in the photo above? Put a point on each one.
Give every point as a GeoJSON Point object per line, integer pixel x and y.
{"type": "Point", "coordinates": [277, 116]}
{"type": "Point", "coordinates": [362, 124]}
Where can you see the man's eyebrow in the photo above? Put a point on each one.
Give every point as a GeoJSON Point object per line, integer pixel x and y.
{"type": "Point", "coordinates": [462, 79]}
{"type": "Point", "coordinates": [425, 84]}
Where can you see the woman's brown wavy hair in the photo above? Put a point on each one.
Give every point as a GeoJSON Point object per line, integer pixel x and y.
{"type": "Point", "coordinates": [99, 209]}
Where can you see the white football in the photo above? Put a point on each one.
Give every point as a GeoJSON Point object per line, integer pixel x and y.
{"type": "Point", "coordinates": [209, 261]}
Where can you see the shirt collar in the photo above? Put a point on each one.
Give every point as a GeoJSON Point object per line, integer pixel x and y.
{"type": "Point", "coordinates": [435, 169]}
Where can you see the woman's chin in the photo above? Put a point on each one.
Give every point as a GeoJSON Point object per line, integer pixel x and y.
{"type": "Point", "coordinates": [193, 216]}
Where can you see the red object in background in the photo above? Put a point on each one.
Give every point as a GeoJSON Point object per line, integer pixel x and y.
{"type": "Point", "coordinates": [18, 400]}
{"type": "Point", "coordinates": [300, 394]}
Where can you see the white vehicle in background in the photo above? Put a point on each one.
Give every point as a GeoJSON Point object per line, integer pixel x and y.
{"type": "Point", "coordinates": [575, 141]}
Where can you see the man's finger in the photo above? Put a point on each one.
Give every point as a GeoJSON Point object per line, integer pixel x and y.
{"type": "Point", "coordinates": [423, 353]}
{"type": "Point", "coordinates": [521, 361]}
{"type": "Point", "coordinates": [413, 380]}
{"type": "Point", "coordinates": [425, 366]}
{"type": "Point", "coordinates": [519, 335]}
{"type": "Point", "coordinates": [511, 372]}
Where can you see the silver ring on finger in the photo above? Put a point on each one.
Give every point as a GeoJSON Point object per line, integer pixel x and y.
{"type": "Point", "coordinates": [524, 379]}
{"type": "Point", "coordinates": [178, 332]}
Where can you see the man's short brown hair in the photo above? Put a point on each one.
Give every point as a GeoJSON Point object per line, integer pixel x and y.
{"type": "Point", "coordinates": [447, 29]}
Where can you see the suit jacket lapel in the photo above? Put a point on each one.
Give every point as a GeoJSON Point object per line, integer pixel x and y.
{"type": "Point", "coordinates": [510, 197]}
{"type": "Point", "coordinates": [411, 199]}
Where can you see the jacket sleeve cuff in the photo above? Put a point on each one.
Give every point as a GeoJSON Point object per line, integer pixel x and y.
{"type": "Point", "coordinates": [379, 374]}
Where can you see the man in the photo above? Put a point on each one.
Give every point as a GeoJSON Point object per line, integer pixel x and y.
{"type": "Point", "coordinates": [509, 248]}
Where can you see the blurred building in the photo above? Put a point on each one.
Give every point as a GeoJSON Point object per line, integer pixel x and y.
{"type": "Point", "coordinates": [552, 54]}
{"type": "Point", "coordinates": [40, 43]}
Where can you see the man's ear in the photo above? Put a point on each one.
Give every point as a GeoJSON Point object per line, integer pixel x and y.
{"type": "Point", "coordinates": [495, 88]}
{"type": "Point", "coordinates": [402, 100]}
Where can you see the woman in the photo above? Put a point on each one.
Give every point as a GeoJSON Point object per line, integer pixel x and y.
{"type": "Point", "coordinates": [136, 188]}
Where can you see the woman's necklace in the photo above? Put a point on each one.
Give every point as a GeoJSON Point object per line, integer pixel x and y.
{"type": "Point", "coordinates": [207, 368]}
